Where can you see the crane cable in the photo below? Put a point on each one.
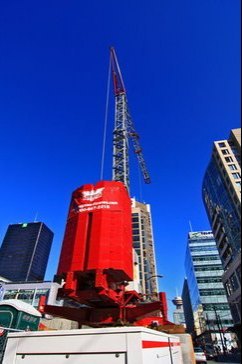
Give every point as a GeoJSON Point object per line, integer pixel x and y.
{"type": "Point", "coordinates": [105, 122]}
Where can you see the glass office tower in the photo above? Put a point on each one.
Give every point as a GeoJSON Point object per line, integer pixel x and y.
{"type": "Point", "coordinates": [204, 278]}
{"type": "Point", "coordinates": [25, 252]}
{"type": "Point", "coordinates": [222, 200]}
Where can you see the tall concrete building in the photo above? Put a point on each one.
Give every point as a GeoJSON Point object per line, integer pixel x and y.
{"type": "Point", "coordinates": [25, 252]}
{"type": "Point", "coordinates": [204, 280]}
{"type": "Point", "coordinates": [222, 200]}
{"type": "Point", "coordinates": [143, 243]}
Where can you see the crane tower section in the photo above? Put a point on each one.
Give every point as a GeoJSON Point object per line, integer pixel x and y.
{"type": "Point", "coordinates": [124, 130]}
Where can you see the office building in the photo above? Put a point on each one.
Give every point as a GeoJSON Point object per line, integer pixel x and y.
{"type": "Point", "coordinates": [178, 314]}
{"type": "Point", "coordinates": [222, 200]}
{"type": "Point", "coordinates": [31, 292]}
{"type": "Point", "coordinates": [25, 252]}
{"type": "Point", "coordinates": [204, 279]}
{"type": "Point", "coordinates": [187, 308]}
{"type": "Point", "coordinates": [143, 243]}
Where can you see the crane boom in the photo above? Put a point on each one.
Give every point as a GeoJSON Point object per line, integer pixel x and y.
{"type": "Point", "coordinates": [124, 130]}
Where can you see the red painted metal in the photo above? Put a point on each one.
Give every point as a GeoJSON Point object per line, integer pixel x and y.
{"type": "Point", "coordinates": [98, 233]}
{"type": "Point", "coordinates": [106, 316]}
{"type": "Point", "coordinates": [96, 256]}
{"type": "Point", "coordinates": [118, 82]}
{"type": "Point", "coordinates": [96, 261]}
{"type": "Point", "coordinates": [164, 306]}
{"type": "Point", "coordinates": [155, 344]}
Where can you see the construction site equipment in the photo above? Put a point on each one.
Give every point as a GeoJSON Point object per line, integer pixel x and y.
{"type": "Point", "coordinates": [124, 130]}
{"type": "Point", "coordinates": [110, 346]}
{"type": "Point", "coordinates": [96, 261]}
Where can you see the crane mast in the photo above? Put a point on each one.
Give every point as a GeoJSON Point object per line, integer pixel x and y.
{"type": "Point", "coordinates": [124, 130]}
{"type": "Point", "coordinates": [96, 260]}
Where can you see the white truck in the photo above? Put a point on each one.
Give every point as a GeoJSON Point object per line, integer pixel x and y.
{"type": "Point", "coordinates": [122, 345]}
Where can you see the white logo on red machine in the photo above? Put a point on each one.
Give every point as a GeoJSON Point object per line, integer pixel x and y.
{"type": "Point", "coordinates": [92, 195]}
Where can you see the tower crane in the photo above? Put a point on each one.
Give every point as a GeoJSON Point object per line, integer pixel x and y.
{"type": "Point", "coordinates": [124, 130]}
{"type": "Point", "coordinates": [96, 260]}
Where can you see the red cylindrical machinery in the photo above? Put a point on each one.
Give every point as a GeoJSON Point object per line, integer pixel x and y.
{"type": "Point", "coordinates": [96, 253]}
{"type": "Point", "coordinates": [96, 261]}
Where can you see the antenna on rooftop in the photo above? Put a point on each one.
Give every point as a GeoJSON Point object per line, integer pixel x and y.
{"type": "Point", "coordinates": [36, 217]}
{"type": "Point", "coordinates": [190, 224]}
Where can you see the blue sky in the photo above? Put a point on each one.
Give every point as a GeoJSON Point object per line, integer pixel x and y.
{"type": "Point", "coordinates": [181, 66]}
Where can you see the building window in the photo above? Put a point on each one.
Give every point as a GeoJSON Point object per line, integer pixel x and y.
{"type": "Point", "coordinates": [236, 175]}
{"type": "Point", "coordinates": [229, 159]}
{"type": "Point", "coordinates": [212, 292]}
{"type": "Point", "coordinates": [232, 167]}
{"type": "Point", "coordinates": [238, 184]}
{"type": "Point", "coordinates": [234, 282]}
{"type": "Point", "coordinates": [26, 295]}
{"type": "Point", "coordinates": [228, 288]}
{"type": "Point", "coordinates": [11, 294]}
{"type": "Point", "coordinates": [135, 226]}
{"type": "Point", "coordinates": [216, 306]}
{"type": "Point", "coordinates": [136, 238]}
{"type": "Point", "coordinates": [222, 145]}
{"type": "Point", "coordinates": [135, 232]}
{"type": "Point", "coordinates": [225, 151]}
{"type": "Point", "coordinates": [208, 268]}
{"type": "Point", "coordinates": [209, 280]}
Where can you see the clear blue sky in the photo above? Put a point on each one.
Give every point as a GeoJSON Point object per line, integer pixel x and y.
{"type": "Point", "coordinates": [181, 65]}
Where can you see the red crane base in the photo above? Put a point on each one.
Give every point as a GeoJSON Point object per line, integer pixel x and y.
{"type": "Point", "coordinates": [141, 314]}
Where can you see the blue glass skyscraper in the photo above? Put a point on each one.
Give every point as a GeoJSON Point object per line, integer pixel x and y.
{"type": "Point", "coordinates": [25, 252]}
{"type": "Point", "coordinates": [204, 279]}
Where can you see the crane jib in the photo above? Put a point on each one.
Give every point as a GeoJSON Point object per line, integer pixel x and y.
{"type": "Point", "coordinates": [123, 130]}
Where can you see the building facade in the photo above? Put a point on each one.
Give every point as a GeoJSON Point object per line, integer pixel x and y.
{"type": "Point", "coordinates": [204, 279]}
{"type": "Point", "coordinates": [143, 243]}
{"type": "Point", "coordinates": [25, 252]}
{"type": "Point", "coordinates": [222, 200]}
{"type": "Point", "coordinates": [187, 308]}
{"type": "Point", "coordinates": [31, 292]}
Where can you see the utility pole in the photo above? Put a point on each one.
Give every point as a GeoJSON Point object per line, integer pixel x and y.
{"type": "Point", "coordinates": [219, 329]}
{"type": "Point", "coordinates": [209, 328]}
{"type": "Point", "coordinates": [224, 338]}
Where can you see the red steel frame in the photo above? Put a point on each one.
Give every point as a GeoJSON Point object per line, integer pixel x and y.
{"type": "Point", "coordinates": [96, 261]}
